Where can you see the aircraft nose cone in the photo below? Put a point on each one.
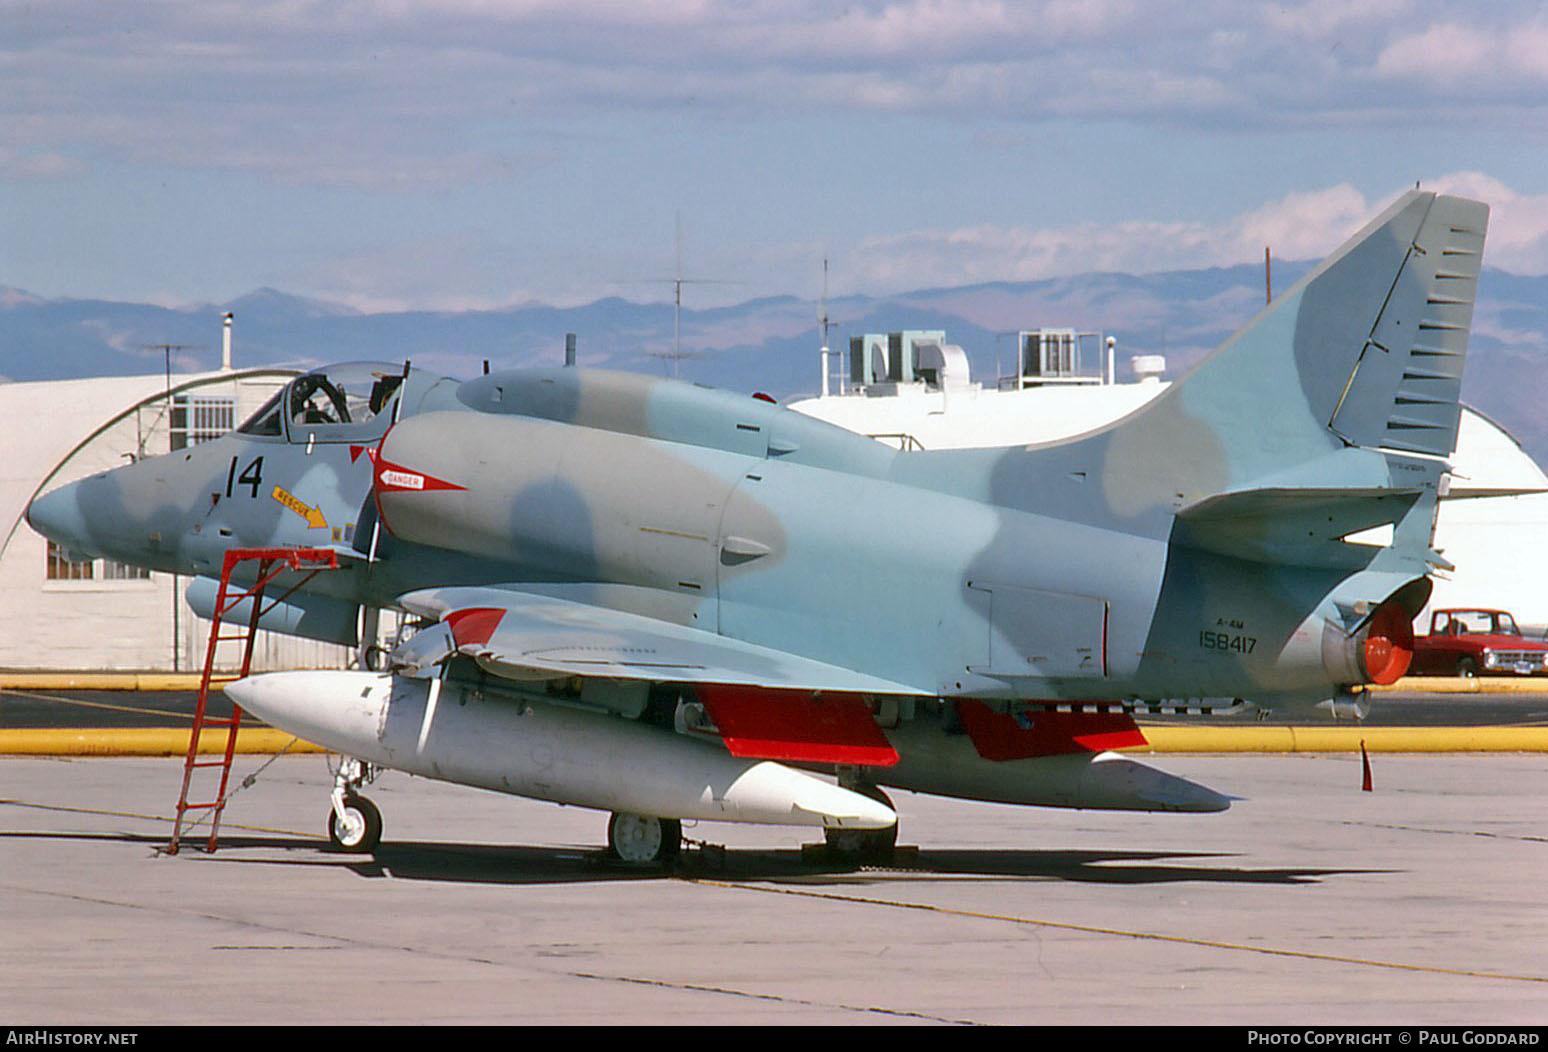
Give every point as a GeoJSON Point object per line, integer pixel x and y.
{"type": "Point", "coordinates": [278, 699]}
{"type": "Point", "coordinates": [57, 516]}
{"type": "Point", "coordinates": [336, 709]}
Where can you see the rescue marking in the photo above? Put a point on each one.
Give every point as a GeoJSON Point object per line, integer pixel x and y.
{"type": "Point", "coordinates": [313, 516]}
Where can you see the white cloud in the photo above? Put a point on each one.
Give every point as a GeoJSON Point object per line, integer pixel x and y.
{"type": "Point", "coordinates": [470, 270]}
{"type": "Point", "coordinates": [1518, 223]}
{"type": "Point", "coordinates": [433, 102]}
{"type": "Point", "coordinates": [1298, 226]}
{"type": "Point", "coordinates": [17, 164]}
{"type": "Point", "coordinates": [296, 81]}
{"type": "Point", "coordinates": [1451, 53]}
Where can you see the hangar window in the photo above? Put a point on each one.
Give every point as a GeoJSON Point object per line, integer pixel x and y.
{"type": "Point", "coordinates": [200, 418]}
{"type": "Point", "coordinates": [63, 568]}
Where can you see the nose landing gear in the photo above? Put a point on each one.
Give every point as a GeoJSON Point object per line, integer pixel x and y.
{"type": "Point", "coordinates": [354, 822]}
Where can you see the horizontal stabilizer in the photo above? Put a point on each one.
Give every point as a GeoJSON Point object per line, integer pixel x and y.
{"type": "Point", "coordinates": [1305, 527]}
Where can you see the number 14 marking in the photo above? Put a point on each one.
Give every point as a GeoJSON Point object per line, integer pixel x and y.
{"type": "Point", "coordinates": [251, 476]}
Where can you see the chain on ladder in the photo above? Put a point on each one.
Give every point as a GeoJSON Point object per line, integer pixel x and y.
{"type": "Point", "coordinates": [271, 563]}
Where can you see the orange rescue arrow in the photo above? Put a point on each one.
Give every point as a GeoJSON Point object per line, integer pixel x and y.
{"type": "Point", "coordinates": [313, 516]}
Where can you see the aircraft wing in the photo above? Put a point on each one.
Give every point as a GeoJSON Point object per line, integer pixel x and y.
{"type": "Point", "coordinates": [766, 703]}
{"type": "Point", "coordinates": [524, 635]}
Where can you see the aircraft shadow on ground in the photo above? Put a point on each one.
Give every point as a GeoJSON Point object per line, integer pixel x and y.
{"type": "Point", "coordinates": [517, 864]}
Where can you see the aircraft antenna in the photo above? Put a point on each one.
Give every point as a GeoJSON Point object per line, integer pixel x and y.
{"type": "Point", "coordinates": [825, 325]}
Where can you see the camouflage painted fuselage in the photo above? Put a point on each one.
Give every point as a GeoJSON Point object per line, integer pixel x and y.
{"type": "Point", "coordinates": [1195, 549]}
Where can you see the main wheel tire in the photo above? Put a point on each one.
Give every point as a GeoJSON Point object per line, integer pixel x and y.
{"type": "Point", "coordinates": [1467, 668]}
{"type": "Point", "coordinates": [361, 831]}
{"type": "Point", "coordinates": [643, 839]}
{"type": "Point", "coordinates": [864, 844]}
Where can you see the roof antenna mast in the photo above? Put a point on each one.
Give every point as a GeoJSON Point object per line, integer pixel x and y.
{"type": "Point", "coordinates": [678, 282]}
{"type": "Point", "coordinates": [822, 325]}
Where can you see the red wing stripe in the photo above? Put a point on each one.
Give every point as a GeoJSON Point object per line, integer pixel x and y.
{"type": "Point", "coordinates": [474, 625]}
{"type": "Point", "coordinates": [797, 726]}
{"type": "Point", "coordinates": [1003, 736]}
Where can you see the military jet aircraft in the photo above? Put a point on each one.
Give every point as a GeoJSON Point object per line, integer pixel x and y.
{"type": "Point", "coordinates": [668, 602]}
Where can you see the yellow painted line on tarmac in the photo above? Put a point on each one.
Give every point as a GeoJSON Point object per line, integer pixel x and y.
{"type": "Point", "coordinates": [65, 680]}
{"type": "Point", "coordinates": [104, 680]}
{"type": "Point", "coordinates": [1461, 685]}
{"type": "Point", "coordinates": [153, 741]}
{"type": "Point", "coordinates": [1160, 739]}
{"type": "Point", "coordinates": [99, 706]}
{"type": "Point", "coordinates": [1278, 739]}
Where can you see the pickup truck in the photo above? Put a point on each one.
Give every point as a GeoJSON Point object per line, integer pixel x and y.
{"type": "Point", "coordinates": [1473, 642]}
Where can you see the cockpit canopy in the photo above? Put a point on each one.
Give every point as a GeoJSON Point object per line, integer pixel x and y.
{"type": "Point", "coordinates": [339, 403]}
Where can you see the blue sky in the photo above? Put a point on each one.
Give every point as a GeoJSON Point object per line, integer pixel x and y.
{"type": "Point", "coordinates": [471, 153]}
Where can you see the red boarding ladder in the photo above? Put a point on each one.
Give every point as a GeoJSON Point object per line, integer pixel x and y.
{"type": "Point", "coordinates": [271, 563]}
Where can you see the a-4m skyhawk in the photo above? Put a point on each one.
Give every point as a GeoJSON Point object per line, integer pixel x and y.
{"type": "Point", "coordinates": [660, 600]}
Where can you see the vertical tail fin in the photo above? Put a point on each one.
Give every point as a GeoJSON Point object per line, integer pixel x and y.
{"type": "Point", "coordinates": [1366, 350]}
{"type": "Point", "coordinates": [1363, 354]}
{"type": "Point", "coordinates": [1403, 390]}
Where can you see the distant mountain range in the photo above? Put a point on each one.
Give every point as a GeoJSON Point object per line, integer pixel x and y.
{"type": "Point", "coordinates": [768, 344]}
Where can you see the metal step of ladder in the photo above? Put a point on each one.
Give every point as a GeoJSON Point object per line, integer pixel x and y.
{"type": "Point", "coordinates": [271, 563]}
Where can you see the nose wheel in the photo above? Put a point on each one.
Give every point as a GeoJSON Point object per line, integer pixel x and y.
{"type": "Point", "coordinates": [644, 840]}
{"type": "Point", "coordinates": [356, 827]}
{"type": "Point", "coordinates": [354, 822]}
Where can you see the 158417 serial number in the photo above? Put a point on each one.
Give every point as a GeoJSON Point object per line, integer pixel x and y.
{"type": "Point", "coordinates": [1227, 641]}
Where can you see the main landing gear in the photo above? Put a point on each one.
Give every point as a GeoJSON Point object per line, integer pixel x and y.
{"type": "Point", "coordinates": [644, 840]}
{"type": "Point", "coordinates": [354, 822]}
{"type": "Point", "coordinates": [862, 845]}
{"type": "Point", "coordinates": [355, 827]}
